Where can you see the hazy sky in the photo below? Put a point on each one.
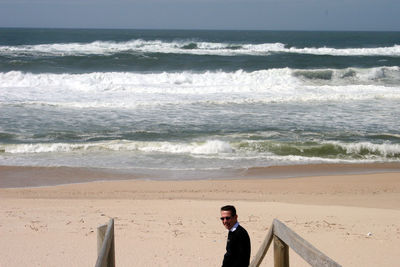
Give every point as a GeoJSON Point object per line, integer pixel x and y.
{"type": "Point", "coordinates": [204, 14]}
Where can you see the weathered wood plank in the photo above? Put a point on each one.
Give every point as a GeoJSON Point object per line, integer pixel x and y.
{"type": "Point", "coordinates": [281, 253]}
{"type": "Point", "coordinates": [106, 257]}
{"type": "Point", "coordinates": [101, 233]}
{"type": "Point", "coordinates": [262, 251]}
{"type": "Point", "coordinates": [111, 252]}
{"type": "Point", "coordinates": [302, 247]}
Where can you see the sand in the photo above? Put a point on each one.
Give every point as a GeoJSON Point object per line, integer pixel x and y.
{"type": "Point", "coordinates": [353, 218]}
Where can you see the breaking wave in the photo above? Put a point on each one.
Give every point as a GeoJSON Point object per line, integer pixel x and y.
{"type": "Point", "coordinates": [209, 147]}
{"type": "Point", "coordinates": [244, 149]}
{"type": "Point", "coordinates": [329, 150]}
{"type": "Point", "coordinates": [129, 90]}
{"type": "Point", "coordinates": [186, 47]}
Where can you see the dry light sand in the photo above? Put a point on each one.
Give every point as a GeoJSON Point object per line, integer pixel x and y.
{"type": "Point", "coordinates": [354, 219]}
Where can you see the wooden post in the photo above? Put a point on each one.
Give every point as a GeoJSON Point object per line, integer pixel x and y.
{"type": "Point", "coordinates": [101, 233]}
{"type": "Point", "coordinates": [302, 247]}
{"type": "Point", "coordinates": [106, 253]}
{"type": "Point", "coordinates": [284, 238]}
{"type": "Point", "coordinates": [281, 253]}
{"type": "Point", "coordinates": [111, 253]}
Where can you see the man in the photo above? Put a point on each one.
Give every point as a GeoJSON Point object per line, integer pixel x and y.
{"type": "Point", "coordinates": [238, 243]}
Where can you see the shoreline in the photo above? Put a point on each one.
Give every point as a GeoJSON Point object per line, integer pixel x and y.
{"type": "Point", "coordinates": [32, 176]}
{"type": "Point", "coordinates": [372, 190]}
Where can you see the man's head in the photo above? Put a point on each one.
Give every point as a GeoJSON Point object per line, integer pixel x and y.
{"type": "Point", "coordinates": [228, 216]}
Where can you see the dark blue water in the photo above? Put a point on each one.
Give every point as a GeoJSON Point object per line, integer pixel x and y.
{"type": "Point", "coordinates": [128, 58]}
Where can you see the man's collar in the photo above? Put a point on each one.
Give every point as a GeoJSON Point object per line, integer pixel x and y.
{"type": "Point", "coordinates": [233, 229]}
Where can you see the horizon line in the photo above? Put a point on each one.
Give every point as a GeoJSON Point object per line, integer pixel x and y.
{"type": "Point", "coordinates": [187, 29]}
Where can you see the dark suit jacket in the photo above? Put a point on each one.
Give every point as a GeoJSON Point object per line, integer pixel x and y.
{"type": "Point", "coordinates": [237, 249]}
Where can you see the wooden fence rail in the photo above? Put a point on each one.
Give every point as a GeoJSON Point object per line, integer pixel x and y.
{"type": "Point", "coordinates": [106, 245]}
{"type": "Point", "coordinates": [284, 238]}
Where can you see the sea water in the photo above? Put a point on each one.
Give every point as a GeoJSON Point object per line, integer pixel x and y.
{"type": "Point", "coordinates": [165, 100]}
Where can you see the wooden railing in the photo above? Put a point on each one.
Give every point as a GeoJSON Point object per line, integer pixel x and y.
{"type": "Point", "coordinates": [284, 238]}
{"type": "Point", "coordinates": [106, 245]}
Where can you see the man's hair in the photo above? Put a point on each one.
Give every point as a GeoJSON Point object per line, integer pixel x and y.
{"type": "Point", "coordinates": [229, 208]}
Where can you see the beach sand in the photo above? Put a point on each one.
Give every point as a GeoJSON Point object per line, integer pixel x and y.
{"type": "Point", "coordinates": [353, 218]}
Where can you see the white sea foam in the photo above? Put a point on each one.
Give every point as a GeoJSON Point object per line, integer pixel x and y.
{"type": "Point", "coordinates": [187, 47]}
{"type": "Point", "coordinates": [208, 147]}
{"type": "Point", "coordinates": [130, 90]}
{"type": "Point", "coordinates": [377, 51]}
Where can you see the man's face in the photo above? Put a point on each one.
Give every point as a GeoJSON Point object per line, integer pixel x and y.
{"type": "Point", "coordinates": [227, 220]}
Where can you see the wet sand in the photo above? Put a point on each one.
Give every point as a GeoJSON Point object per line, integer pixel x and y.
{"type": "Point", "coordinates": [26, 176]}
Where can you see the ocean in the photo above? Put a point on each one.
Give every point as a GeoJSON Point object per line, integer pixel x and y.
{"type": "Point", "coordinates": [180, 101]}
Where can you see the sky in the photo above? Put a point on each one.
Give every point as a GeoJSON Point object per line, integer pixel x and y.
{"type": "Point", "coordinates": [349, 15]}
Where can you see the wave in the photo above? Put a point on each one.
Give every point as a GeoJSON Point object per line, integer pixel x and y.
{"type": "Point", "coordinates": [131, 90]}
{"type": "Point", "coordinates": [326, 149]}
{"type": "Point", "coordinates": [370, 149]}
{"type": "Point", "coordinates": [377, 75]}
{"type": "Point", "coordinates": [331, 150]}
{"type": "Point", "coordinates": [209, 147]}
{"type": "Point", "coordinates": [186, 47]}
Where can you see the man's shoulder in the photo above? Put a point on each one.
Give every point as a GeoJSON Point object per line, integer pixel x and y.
{"type": "Point", "coordinates": [240, 230]}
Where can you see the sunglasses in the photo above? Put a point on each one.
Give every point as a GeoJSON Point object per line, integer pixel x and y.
{"type": "Point", "coordinates": [226, 218]}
